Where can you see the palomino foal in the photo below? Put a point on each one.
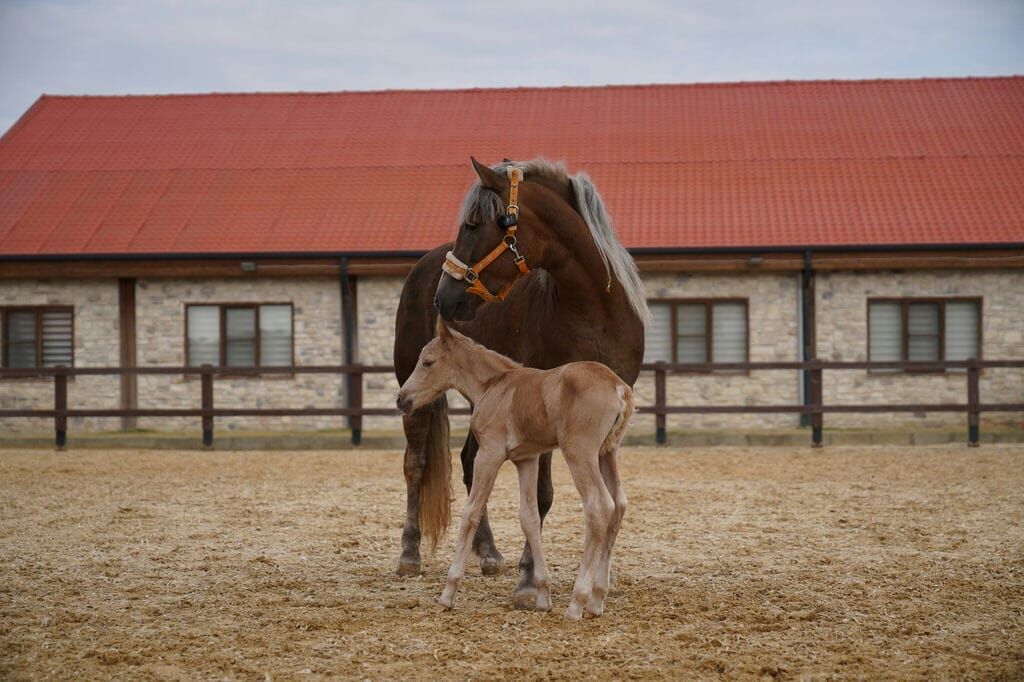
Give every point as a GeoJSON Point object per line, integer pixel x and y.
{"type": "Point", "coordinates": [519, 413]}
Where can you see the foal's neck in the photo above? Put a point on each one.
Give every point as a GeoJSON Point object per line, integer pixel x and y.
{"type": "Point", "coordinates": [479, 368]}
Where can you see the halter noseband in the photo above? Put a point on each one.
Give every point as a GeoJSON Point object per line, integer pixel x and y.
{"type": "Point", "coordinates": [459, 270]}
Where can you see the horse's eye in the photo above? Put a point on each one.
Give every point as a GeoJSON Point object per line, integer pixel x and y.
{"type": "Point", "coordinates": [470, 226]}
{"type": "Point", "coordinates": [428, 363]}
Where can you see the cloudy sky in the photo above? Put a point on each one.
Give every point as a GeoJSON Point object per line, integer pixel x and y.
{"type": "Point", "coordinates": [161, 46]}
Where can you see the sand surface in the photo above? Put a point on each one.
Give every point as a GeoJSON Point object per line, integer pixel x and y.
{"type": "Point", "coordinates": [849, 563]}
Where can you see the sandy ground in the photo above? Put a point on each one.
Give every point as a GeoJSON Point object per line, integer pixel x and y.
{"type": "Point", "coordinates": [732, 563]}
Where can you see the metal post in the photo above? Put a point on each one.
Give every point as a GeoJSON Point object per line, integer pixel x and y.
{"type": "Point", "coordinates": [659, 404]}
{"type": "Point", "coordinates": [816, 403]}
{"type": "Point", "coordinates": [973, 400]}
{"type": "Point", "coordinates": [60, 406]}
{"type": "Point", "coordinates": [206, 377]}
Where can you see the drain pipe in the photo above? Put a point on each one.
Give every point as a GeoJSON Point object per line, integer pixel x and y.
{"type": "Point", "coordinates": [807, 324]}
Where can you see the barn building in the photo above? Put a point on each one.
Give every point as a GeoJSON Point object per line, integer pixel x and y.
{"type": "Point", "coordinates": [844, 220]}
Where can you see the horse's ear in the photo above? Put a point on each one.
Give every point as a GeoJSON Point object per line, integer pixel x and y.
{"type": "Point", "coordinates": [443, 332]}
{"type": "Point", "coordinates": [506, 160]}
{"type": "Point", "coordinates": [489, 178]}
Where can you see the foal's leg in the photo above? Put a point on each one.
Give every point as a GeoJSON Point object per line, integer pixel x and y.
{"type": "Point", "coordinates": [484, 473]}
{"type": "Point", "coordinates": [417, 428]}
{"type": "Point", "coordinates": [598, 508]}
{"type": "Point", "coordinates": [602, 577]}
{"type": "Point", "coordinates": [529, 517]}
{"type": "Point", "coordinates": [491, 561]}
{"type": "Point", "coordinates": [525, 595]}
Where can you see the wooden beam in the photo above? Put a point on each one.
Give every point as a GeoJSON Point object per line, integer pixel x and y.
{"type": "Point", "coordinates": [126, 325]}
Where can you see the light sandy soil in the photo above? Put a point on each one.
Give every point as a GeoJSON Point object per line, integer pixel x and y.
{"type": "Point", "coordinates": [733, 563]}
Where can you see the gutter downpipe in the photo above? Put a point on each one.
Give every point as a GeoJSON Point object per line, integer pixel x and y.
{"type": "Point", "coordinates": [807, 324]}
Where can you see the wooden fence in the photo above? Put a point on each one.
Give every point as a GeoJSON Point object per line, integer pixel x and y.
{"type": "Point", "coordinates": [814, 405]}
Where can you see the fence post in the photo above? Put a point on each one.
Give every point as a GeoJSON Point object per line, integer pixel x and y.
{"type": "Point", "coordinates": [659, 404]}
{"type": "Point", "coordinates": [355, 401]}
{"type": "Point", "coordinates": [973, 399]}
{"type": "Point", "coordinates": [206, 393]}
{"type": "Point", "coordinates": [60, 407]}
{"type": "Point", "coordinates": [816, 403]}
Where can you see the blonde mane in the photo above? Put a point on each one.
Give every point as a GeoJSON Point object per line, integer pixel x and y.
{"type": "Point", "coordinates": [483, 205]}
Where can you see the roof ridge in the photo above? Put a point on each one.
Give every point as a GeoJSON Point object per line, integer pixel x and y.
{"type": "Point", "coordinates": [522, 88]}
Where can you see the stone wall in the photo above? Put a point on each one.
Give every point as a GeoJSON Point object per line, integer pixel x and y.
{"type": "Point", "coordinates": [96, 333]}
{"type": "Point", "coordinates": [842, 335]}
{"type": "Point", "coordinates": [773, 309]}
{"type": "Point", "coordinates": [378, 305]}
{"type": "Point", "coordinates": [160, 324]}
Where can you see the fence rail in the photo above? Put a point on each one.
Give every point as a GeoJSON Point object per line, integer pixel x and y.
{"type": "Point", "coordinates": [814, 405]}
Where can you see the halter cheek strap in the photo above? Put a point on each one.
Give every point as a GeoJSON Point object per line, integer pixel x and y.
{"type": "Point", "coordinates": [456, 269]}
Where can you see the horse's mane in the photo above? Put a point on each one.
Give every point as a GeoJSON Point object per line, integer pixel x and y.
{"type": "Point", "coordinates": [483, 205]}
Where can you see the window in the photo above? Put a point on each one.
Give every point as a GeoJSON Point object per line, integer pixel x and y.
{"type": "Point", "coordinates": [924, 330]}
{"type": "Point", "coordinates": [41, 336]}
{"type": "Point", "coordinates": [697, 331]}
{"type": "Point", "coordinates": [239, 335]}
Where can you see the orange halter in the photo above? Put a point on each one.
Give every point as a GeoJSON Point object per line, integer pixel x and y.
{"type": "Point", "coordinates": [459, 270]}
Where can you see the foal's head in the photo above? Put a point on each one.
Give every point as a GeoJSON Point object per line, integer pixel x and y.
{"type": "Point", "coordinates": [434, 373]}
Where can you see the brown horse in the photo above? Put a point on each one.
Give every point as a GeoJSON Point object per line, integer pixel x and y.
{"type": "Point", "coordinates": [581, 300]}
{"type": "Point", "coordinates": [519, 413]}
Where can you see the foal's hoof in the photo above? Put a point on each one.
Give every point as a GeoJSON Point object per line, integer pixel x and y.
{"type": "Point", "coordinates": [407, 567]}
{"type": "Point", "coordinates": [490, 565]}
{"type": "Point", "coordinates": [525, 598]}
{"type": "Point", "coordinates": [574, 612]}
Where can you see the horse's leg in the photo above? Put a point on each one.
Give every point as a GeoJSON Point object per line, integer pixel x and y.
{"type": "Point", "coordinates": [602, 577]}
{"type": "Point", "coordinates": [417, 426]}
{"type": "Point", "coordinates": [491, 561]}
{"type": "Point", "coordinates": [485, 471]}
{"type": "Point", "coordinates": [525, 595]}
{"type": "Point", "coordinates": [598, 508]}
{"type": "Point", "coordinates": [529, 518]}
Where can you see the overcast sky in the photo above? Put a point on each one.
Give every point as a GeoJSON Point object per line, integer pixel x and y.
{"type": "Point", "coordinates": [162, 46]}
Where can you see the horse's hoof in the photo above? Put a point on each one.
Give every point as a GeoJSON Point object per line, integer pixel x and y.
{"type": "Point", "coordinates": [573, 612]}
{"type": "Point", "coordinates": [525, 598]}
{"type": "Point", "coordinates": [490, 565]}
{"type": "Point", "coordinates": [446, 602]}
{"type": "Point", "coordinates": [407, 567]}
{"type": "Point", "coordinates": [592, 612]}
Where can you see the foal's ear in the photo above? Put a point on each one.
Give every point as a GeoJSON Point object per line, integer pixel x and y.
{"type": "Point", "coordinates": [489, 178]}
{"type": "Point", "coordinates": [443, 332]}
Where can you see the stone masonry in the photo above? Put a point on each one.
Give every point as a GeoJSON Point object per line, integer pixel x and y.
{"type": "Point", "coordinates": [96, 344]}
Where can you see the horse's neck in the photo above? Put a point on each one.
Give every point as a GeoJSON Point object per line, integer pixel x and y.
{"type": "Point", "coordinates": [582, 280]}
{"type": "Point", "coordinates": [478, 369]}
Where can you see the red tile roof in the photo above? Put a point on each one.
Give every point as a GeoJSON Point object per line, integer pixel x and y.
{"type": "Point", "coordinates": [933, 161]}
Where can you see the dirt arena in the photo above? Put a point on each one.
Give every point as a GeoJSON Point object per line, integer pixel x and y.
{"type": "Point", "coordinates": [732, 563]}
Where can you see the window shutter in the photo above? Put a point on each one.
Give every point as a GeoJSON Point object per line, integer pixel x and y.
{"type": "Point", "coordinates": [692, 332]}
{"type": "Point", "coordinates": [275, 335]}
{"type": "Point", "coordinates": [21, 339]}
{"type": "Point", "coordinates": [729, 332]}
{"type": "Point", "coordinates": [962, 330]}
{"type": "Point", "coordinates": [923, 332]}
{"type": "Point", "coordinates": [240, 344]}
{"type": "Point", "coordinates": [57, 338]}
{"type": "Point", "coordinates": [658, 334]}
{"type": "Point", "coordinates": [203, 335]}
{"type": "Point", "coordinates": [885, 322]}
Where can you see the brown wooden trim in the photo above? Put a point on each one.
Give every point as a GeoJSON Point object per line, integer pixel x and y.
{"type": "Point", "coordinates": [227, 268]}
{"type": "Point", "coordinates": [38, 310]}
{"type": "Point", "coordinates": [905, 302]}
{"type": "Point", "coordinates": [222, 312]}
{"type": "Point", "coordinates": [126, 327]}
{"type": "Point", "coordinates": [708, 304]}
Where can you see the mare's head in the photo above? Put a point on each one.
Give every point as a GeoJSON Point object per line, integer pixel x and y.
{"type": "Point", "coordinates": [544, 196]}
{"type": "Point", "coordinates": [434, 373]}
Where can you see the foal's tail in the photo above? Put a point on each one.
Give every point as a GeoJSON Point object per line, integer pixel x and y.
{"type": "Point", "coordinates": [436, 487]}
{"type": "Point", "coordinates": [626, 404]}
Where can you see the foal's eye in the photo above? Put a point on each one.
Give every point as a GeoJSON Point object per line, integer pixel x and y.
{"type": "Point", "coordinates": [428, 363]}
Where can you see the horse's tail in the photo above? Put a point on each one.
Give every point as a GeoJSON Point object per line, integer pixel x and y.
{"type": "Point", "coordinates": [436, 487]}
{"type": "Point", "coordinates": [618, 430]}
